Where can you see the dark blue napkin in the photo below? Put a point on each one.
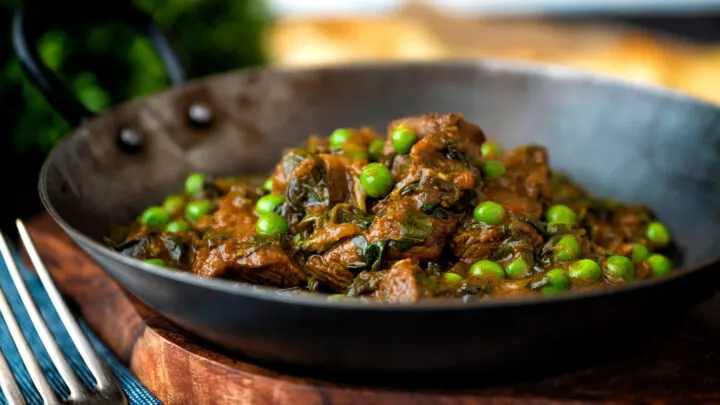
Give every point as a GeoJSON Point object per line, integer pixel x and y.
{"type": "Point", "coordinates": [134, 390]}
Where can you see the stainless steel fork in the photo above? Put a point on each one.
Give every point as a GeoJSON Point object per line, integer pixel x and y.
{"type": "Point", "coordinates": [106, 390]}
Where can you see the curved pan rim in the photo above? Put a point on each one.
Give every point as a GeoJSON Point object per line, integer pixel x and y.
{"type": "Point", "coordinates": [271, 294]}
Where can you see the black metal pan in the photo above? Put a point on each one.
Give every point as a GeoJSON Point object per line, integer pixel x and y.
{"type": "Point", "coordinates": [634, 143]}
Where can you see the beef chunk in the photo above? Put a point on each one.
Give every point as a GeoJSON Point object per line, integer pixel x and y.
{"type": "Point", "coordinates": [401, 285]}
{"type": "Point", "coordinates": [515, 237]}
{"type": "Point", "coordinates": [474, 242]}
{"type": "Point", "coordinates": [367, 282]}
{"type": "Point", "coordinates": [238, 252]}
{"type": "Point", "coordinates": [331, 268]}
{"type": "Point", "coordinates": [525, 187]}
{"type": "Point", "coordinates": [452, 126]}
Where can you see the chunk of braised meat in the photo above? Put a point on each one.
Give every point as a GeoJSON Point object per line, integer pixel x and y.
{"type": "Point", "coordinates": [331, 268]}
{"type": "Point", "coordinates": [365, 283]}
{"type": "Point", "coordinates": [174, 249]}
{"type": "Point", "coordinates": [319, 232]}
{"type": "Point", "coordinates": [285, 168]}
{"type": "Point", "coordinates": [334, 176]}
{"type": "Point", "coordinates": [474, 241]}
{"type": "Point", "coordinates": [525, 186]}
{"type": "Point", "coordinates": [317, 183]}
{"type": "Point", "coordinates": [401, 285]}
{"type": "Point", "coordinates": [617, 229]}
{"type": "Point", "coordinates": [231, 248]}
{"type": "Point", "coordinates": [237, 207]}
{"type": "Point", "coordinates": [453, 139]}
{"type": "Point", "coordinates": [407, 282]}
{"type": "Point", "coordinates": [327, 236]}
{"type": "Point", "coordinates": [240, 253]}
{"type": "Point", "coordinates": [517, 237]}
{"type": "Point", "coordinates": [452, 126]}
{"type": "Point", "coordinates": [399, 233]}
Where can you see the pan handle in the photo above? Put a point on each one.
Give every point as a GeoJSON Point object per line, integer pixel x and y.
{"type": "Point", "coordinates": [31, 22]}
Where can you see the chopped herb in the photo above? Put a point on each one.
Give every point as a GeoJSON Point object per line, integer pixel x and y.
{"type": "Point", "coordinates": [535, 223]}
{"type": "Point", "coordinates": [371, 254]}
{"type": "Point", "coordinates": [313, 284]}
{"type": "Point", "coordinates": [401, 245]}
{"type": "Point", "coordinates": [269, 239]}
{"type": "Point", "coordinates": [453, 152]}
{"type": "Point", "coordinates": [410, 187]}
{"type": "Point", "coordinates": [310, 189]}
{"type": "Point", "coordinates": [175, 246]}
{"type": "Point", "coordinates": [416, 227]}
{"type": "Point", "coordinates": [346, 214]}
{"type": "Point", "coordinates": [132, 246]}
{"type": "Point", "coordinates": [366, 282]}
{"type": "Point", "coordinates": [503, 252]}
{"type": "Point", "coordinates": [434, 210]}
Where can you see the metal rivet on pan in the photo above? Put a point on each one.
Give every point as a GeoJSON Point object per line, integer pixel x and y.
{"type": "Point", "coordinates": [129, 140]}
{"type": "Point", "coordinates": [200, 116]}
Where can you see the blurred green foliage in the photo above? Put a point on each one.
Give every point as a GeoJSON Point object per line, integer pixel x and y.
{"type": "Point", "coordinates": [105, 63]}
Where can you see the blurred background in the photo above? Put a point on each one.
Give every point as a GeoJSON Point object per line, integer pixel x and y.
{"type": "Point", "coordinates": [671, 43]}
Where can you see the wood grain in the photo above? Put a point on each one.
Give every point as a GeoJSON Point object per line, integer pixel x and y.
{"type": "Point", "coordinates": [178, 369]}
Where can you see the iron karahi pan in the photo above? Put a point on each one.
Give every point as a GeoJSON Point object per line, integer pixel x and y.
{"type": "Point", "coordinates": [633, 143]}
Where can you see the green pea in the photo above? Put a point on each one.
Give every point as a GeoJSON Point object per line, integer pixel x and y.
{"type": "Point", "coordinates": [493, 169]}
{"type": "Point", "coordinates": [639, 253]}
{"type": "Point", "coordinates": [486, 269]}
{"type": "Point", "coordinates": [402, 139]}
{"type": "Point", "coordinates": [155, 217]}
{"type": "Point", "coordinates": [177, 225]}
{"type": "Point", "coordinates": [585, 269]}
{"type": "Point", "coordinates": [376, 180]}
{"type": "Point", "coordinates": [557, 282]}
{"type": "Point", "coordinates": [517, 268]}
{"type": "Point", "coordinates": [490, 149]}
{"type": "Point", "coordinates": [489, 212]}
{"type": "Point", "coordinates": [195, 209]}
{"type": "Point", "coordinates": [174, 204]}
{"type": "Point", "coordinates": [271, 223]}
{"type": "Point", "coordinates": [194, 183]}
{"type": "Point", "coordinates": [268, 185]}
{"type": "Point", "coordinates": [376, 149]}
{"type": "Point", "coordinates": [658, 234]}
{"type": "Point", "coordinates": [659, 264]}
{"type": "Point", "coordinates": [620, 267]}
{"type": "Point", "coordinates": [561, 214]}
{"type": "Point", "coordinates": [155, 262]}
{"type": "Point", "coordinates": [452, 277]}
{"type": "Point", "coordinates": [339, 137]}
{"type": "Point", "coordinates": [268, 203]}
{"type": "Point", "coordinates": [566, 249]}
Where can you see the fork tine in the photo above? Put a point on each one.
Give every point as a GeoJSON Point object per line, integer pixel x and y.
{"type": "Point", "coordinates": [8, 384]}
{"type": "Point", "coordinates": [47, 338]}
{"type": "Point", "coordinates": [98, 368]}
{"type": "Point", "coordinates": [26, 354]}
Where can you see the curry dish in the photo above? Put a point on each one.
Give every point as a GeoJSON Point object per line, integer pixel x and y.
{"type": "Point", "coordinates": [432, 210]}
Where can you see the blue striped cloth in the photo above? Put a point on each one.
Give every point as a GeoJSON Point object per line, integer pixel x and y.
{"type": "Point", "coordinates": [134, 390]}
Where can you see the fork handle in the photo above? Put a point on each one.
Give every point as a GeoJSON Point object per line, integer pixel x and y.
{"type": "Point", "coordinates": [34, 18]}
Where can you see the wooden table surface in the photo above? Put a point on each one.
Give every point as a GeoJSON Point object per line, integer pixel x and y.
{"type": "Point", "coordinates": [683, 368]}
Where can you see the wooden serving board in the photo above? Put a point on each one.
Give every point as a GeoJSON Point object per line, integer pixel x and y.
{"type": "Point", "coordinates": [178, 369]}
